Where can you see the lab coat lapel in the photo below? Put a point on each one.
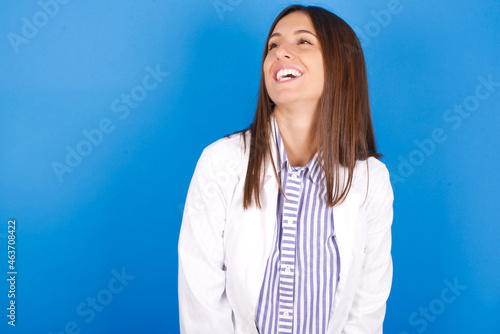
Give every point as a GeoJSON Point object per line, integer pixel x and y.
{"type": "Point", "coordinates": [268, 226]}
{"type": "Point", "coordinates": [345, 216]}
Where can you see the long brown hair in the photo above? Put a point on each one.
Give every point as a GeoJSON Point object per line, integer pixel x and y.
{"type": "Point", "coordinates": [343, 124]}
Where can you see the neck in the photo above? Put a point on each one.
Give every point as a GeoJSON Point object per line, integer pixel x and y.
{"type": "Point", "coordinates": [295, 124]}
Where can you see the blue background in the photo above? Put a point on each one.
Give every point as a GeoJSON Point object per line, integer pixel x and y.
{"type": "Point", "coordinates": [119, 210]}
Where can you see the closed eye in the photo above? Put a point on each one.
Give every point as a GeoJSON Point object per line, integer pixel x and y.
{"type": "Point", "coordinates": [301, 41]}
{"type": "Point", "coordinates": [272, 46]}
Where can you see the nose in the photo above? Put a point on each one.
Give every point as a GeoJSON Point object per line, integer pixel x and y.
{"type": "Point", "coordinates": [283, 52]}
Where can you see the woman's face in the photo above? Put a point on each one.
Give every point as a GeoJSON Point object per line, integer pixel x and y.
{"type": "Point", "coordinates": [293, 67]}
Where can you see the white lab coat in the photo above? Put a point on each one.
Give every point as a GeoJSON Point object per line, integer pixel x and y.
{"type": "Point", "coordinates": [223, 249]}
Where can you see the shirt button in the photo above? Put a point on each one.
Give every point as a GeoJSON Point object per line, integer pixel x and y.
{"type": "Point", "coordinates": [286, 314]}
{"type": "Point", "coordinates": [287, 269]}
{"type": "Point", "coordinates": [290, 222]}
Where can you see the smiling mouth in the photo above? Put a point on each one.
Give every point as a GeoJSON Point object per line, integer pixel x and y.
{"type": "Point", "coordinates": [287, 74]}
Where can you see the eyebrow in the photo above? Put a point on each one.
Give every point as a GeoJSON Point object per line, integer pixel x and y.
{"type": "Point", "coordinates": [301, 31]}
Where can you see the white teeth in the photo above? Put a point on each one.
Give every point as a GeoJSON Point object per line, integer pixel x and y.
{"type": "Point", "coordinates": [282, 74]}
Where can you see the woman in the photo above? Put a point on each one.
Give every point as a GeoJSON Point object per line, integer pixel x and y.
{"type": "Point", "coordinates": [286, 226]}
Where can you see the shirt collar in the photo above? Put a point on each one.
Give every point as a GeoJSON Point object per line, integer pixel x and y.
{"type": "Point", "coordinates": [313, 167]}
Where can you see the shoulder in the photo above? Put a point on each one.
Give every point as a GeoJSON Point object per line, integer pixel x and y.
{"type": "Point", "coordinates": [371, 179]}
{"type": "Point", "coordinates": [371, 167]}
{"type": "Point", "coordinates": [227, 146]}
{"type": "Point", "coordinates": [371, 171]}
{"type": "Point", "coordinates": [227, 155]}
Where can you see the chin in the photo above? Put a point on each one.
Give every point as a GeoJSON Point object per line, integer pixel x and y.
{"type": "Point", "coordinates": [288, 101]}
{"type": "Point", "coordinates": [283, 103]}
{"type": "Point", "coordinates": [285, 99]}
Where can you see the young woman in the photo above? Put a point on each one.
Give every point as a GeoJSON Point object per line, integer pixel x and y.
{"type": "Point", "coordinates": [287, 224]}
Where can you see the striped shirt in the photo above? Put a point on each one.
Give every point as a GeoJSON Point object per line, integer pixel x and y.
{"type": "Point", "coordinates": [302, 271]}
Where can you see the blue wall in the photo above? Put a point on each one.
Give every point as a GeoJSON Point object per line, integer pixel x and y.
{"type": "Point", "coordinates": [106, 107]}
